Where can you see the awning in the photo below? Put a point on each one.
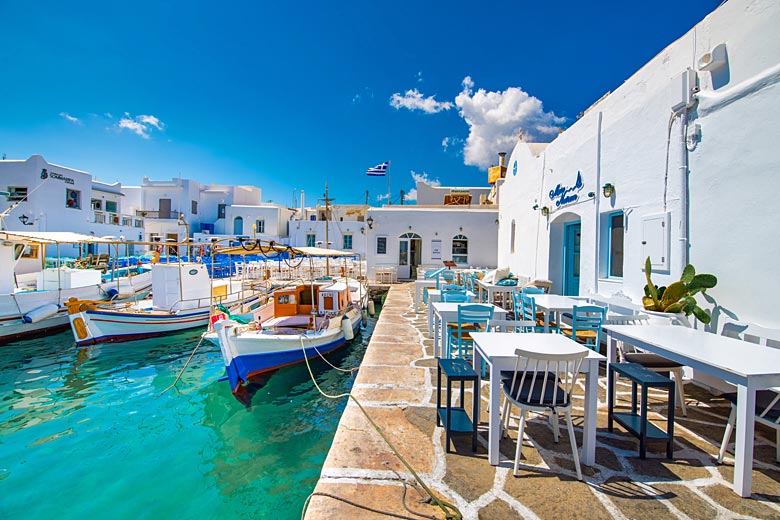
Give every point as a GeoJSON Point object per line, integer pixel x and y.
{"type": "Point", "coordinates": [258, 248]}
{"type": "Point", "coordinates": [54, 237]}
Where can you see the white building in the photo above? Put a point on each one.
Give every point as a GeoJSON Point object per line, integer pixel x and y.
{"type": "Point", "coordinates": [453, 224]}
{"type": "Point", "coordinates": [688, 146]}
{"type": "Point", "coordinates": [50, 197]}
{"type": "Point", "coordinates": [346, 228]}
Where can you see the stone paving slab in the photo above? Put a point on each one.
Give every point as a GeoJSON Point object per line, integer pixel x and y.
{"type": "Point", "coordinates": [396, 385]}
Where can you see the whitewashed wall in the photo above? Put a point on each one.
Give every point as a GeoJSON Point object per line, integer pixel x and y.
{"type": "Point", "coordinates": [733, 215]}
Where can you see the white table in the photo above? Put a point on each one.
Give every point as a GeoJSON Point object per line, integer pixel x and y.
{"type": "Point", "coordinates": [434, 295]}
{"type": "Point", "coordinates": [445, 312]}
{"type": "Point", "coordinates": [749, 366]}
{"type": "Point", "coordinates": [492, 290]}
{"type": "Point", "coordinates": [554, 304]}
{"type": "Point", "coordinates": [419, 287]}
{"type": "Point", "coordinates": [498, 351]}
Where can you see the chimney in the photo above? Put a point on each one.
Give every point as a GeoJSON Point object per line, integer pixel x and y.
{"type": "Point", "coordinates": [502, 159]}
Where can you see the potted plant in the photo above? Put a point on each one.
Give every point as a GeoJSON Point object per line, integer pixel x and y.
{"type": "Point", "coordinates": [678, 298]}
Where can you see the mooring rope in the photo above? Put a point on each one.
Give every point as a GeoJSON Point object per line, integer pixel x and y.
{"type": "Point", "coordinates": [181, 372]}
{"type": "Point", "coordinates": [450, 511]}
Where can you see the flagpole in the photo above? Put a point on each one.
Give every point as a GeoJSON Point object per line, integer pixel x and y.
{"type": "Point", "coordinates": [387, 172]}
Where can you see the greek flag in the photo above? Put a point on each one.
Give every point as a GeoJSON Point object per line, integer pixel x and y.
{"type": "Point", "coordinates": [378, 171]}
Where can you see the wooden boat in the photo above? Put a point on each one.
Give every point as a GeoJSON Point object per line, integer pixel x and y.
{"type": "Point", "coordinates": [182, 298]}
{"type": "Point", "coordinates": [299, 322]}
{"type": "Point", "coordinates": [32, 298]}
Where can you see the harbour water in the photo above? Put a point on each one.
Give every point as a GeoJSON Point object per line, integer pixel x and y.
{"type": "Point", "coordinates": [86, 433]}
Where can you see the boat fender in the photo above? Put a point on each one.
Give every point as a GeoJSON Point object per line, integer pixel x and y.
{"type": "Point", "coordinates": [346, 327]}
{"type": "Point", "coordinates": [371, 309]}
{"type": "Point", "coordinates": [41, 313]}
{"type": "Point", "coordinates": [112, 294]}
{"type": "Point", "coordinates": [364, 317]}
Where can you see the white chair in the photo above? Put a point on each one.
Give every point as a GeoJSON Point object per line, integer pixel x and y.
{"type": "Point", "coordinates": [767, 401]}
{"type": "Point", "coordinates": [543, 383]}
{"type": "Point", "coordinates": [654, 362]}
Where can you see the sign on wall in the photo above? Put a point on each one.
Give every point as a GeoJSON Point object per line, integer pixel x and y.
{"type": "Point", "coordinates": [436, 249]}
{"type": "Point", "coordinates": [563, 195]}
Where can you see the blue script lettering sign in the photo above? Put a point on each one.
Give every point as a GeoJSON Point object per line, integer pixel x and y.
{"type": "Point", "coordinates": [563, 195]}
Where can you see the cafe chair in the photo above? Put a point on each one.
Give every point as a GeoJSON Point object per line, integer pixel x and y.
{"type": "Point", "coordinates": [510, 325]}
{"type": "Point", "coordinates": [586, 322]}
{"type": "Point", "coordinates": [542, 383]}
{"type": "Point", "coordinates": [470, 319]}
{"type": "Point", "coordinates": [654, 362]}
{"type": "Point", "coordinates": [528, 312]}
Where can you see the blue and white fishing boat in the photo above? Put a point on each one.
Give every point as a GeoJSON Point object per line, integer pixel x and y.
{"type": "Point", "coordinates": [182, 298]}
{"type": "Point", "coordinates": [300, 321]}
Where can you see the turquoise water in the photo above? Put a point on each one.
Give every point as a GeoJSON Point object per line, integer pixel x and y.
{"type": "Point", "coordinates": [85, 433]}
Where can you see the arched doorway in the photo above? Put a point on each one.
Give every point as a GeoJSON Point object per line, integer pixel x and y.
{"type": "Point", "coordinates": [238, 226]}
{"type": "Point", "coordinates": [409, 255]}
{"type": "Point", "coordinates": [564, 255]}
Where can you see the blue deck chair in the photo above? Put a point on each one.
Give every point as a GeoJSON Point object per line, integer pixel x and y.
{"type": "Point", "coordinates": [586, 325]}
{"type": "Point", "coordinates": [477, 316]}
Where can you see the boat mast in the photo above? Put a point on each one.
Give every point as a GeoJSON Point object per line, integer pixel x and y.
{"type": "Point", "coordinates": [327, 225]}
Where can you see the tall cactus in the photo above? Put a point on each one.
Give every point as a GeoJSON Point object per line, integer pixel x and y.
{"type": "Point", "coordinates": [679, 296]}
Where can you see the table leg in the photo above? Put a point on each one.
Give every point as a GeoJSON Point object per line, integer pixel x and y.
{"type": "Point", "coordinates": [436, 327]}
{"type": "Point", "coordinates": [430, 317]}
{"type": "Point", "coordinates": [417, 292]}
{"type": "Point", "coordinates": [743, 449]}
{"type": "Point", "coordinates": [546, 321]}
{"type": "Point", "coordinates": [588, 456]}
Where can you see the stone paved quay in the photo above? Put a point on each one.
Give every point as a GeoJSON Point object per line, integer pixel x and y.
{"type": "Point", "coordinates": [396, 385]}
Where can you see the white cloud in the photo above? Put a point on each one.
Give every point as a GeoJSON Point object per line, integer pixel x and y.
{"type": "Point", "coordinates": [366, 93]}
{"type": "Point", "coordinates": [414, 100]}
{"type": "Point", "coordinates": [495, 120]}
{"type": "Point", "coordinates": [456, 143]}
{"type": "Point", "coordinates": [419, 77]}
{"type": "Point", "coordinates": [423, 177]}
{"type": "Point", "coordinates": [445, 143]}
{"type": "Point", "coordinates": [70, 118]}
{"type": "Point", "coordinates": [140, 125]}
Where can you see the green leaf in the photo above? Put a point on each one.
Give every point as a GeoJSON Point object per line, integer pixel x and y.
{"type": "Point", "coordinates": [660, 291]}
{"type": "Point", "coordinates": [701, 315]}
{"type": "Point", "coordinates": [688, 273]}
{"type": "Point", "coordinates": [705, 281]}
{"type": "Point", "coordinates": [649, 304]}
{"type": "Point", "coordinates": [675, 307]}
{"type": "Point", "coordinates": [647, 291]}
{"type": "Point", "coordinates": [674, 292]}
{"type": "Point", "coordinates": [690, 304]}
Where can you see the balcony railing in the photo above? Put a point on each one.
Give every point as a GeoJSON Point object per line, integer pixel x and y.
{"type": "Point", "coordinates": [116, 219]}
{"type": "Point", "coordinates": [169, 215]}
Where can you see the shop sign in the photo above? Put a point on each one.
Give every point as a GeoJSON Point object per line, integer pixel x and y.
{"type": "Point", "coordinates": [45, 174]}
{"type": "Point", "coordinates": [563, 195]}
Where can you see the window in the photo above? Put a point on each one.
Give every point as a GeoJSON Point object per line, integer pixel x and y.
{"type": "Point", "coordinates": [616, 245]}
{"type": "Point", "coordinates": [111, 206]}
{"type": "Point", "coordinates": [97, 204]}
{"type": "Point", "coordinates": [73, 199]}
{"type": "Point", "coordinates": [512, 237]}
{"type": "Point", "coordinates": [238, 226]}
{"type": "Point", "coordinates": [347, 242]}
{"type": "Point", "coordinates": [30, 251]}
{"type": "Point", "coordinates": [220, 211]}
{"type": "Point", "coordinates": [194, 209]}
{"type": "Point", "coordinates": [310, 239]}
{"type": "Point", "coordinates": [260, 226]}
{"type": "Point", "coordinates": [460, 249]}
{"type": "Point", "coordinates": [17, 193]}
{"type": "Point", "coordinates": [381, 245]}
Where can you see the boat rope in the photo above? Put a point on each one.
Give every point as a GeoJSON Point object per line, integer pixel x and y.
{"type": "Point", "coordinates": [450, 511]}
{"type": "Point", "coordinates": [181, 372]}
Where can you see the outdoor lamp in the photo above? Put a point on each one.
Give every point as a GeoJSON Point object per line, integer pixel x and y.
{"type": "Point", "coordinates": [370, 222]}
{"type": "Point", "coordinates": [608, 190]}
{"type": "Point", "coordinates": [545, 211]}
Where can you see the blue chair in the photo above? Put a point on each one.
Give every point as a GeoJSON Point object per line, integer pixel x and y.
{"type": "Point", "coordinates": [454, 296]}
{"type": "Point", "coordinates": [586, 325]}
{"type": "Point", "coordinates": [453, 287]}
{"type": "Point", "coordinates": [470, 318]}
{"type": "Point", "coordinates": [528, 312]}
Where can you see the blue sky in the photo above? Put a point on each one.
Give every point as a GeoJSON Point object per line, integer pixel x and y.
{"type": "Point", "coordinates": [288, 95]}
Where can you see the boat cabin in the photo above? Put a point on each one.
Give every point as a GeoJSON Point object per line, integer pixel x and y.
{"type": "Point", "coordinates": [298, 300]}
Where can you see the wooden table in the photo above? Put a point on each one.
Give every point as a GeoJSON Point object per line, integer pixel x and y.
{"type": "Point", "coordinates": [498, 351]}
{"type": "Point", "coordinates": [445, 312]}
{"type": "Point", "coordinates": [749, 366]}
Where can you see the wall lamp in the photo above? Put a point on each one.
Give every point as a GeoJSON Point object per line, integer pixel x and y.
{"type": "Point", "coordinates": [25, 220]}
{"type": "Point", "coordinates": [362, 231]}
{"type": "Point", "coordinates": [370, 222]}
{"type": "Point", "coordinates": [608, 190]}
{"type": "Point", "coordinates": [536, 206]}
{"type": "Point", "coordinates": [545, 211]}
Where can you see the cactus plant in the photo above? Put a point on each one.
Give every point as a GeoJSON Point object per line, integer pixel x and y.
{"type": "Point", "coordinates": [679, 296]}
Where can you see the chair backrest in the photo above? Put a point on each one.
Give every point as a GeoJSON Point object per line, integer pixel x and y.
{"type": "Point", "coordinates": [588, 317]}
{"type": "Point", "coordinates": [527, 310]}
{"type": "Point", "coordinates": [627, 319]}
{"type": "Point", "coordinates": [470, 281]}
{"type": "Point", "coordinates": [532, 290]}
{"type": "Point", "coordinates": [511, 325]}
{"type": "Point", "coordinates": [453, 287]}
{"type": "Point", "coordinates": [476, 313]}
{"type": "Point", "coordinates": [549, 370]}
{"type": "Point", "coordinates": [448, 275]}
{"type": "Point", "coordinates": [751, 333]}
{"type": "Point", "coordinates": [454, 297]}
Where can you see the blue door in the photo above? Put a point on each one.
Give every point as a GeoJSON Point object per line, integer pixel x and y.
{"type": "Point", "coordinates": [571, 259]}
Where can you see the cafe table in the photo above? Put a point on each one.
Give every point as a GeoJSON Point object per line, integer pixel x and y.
{"type": "Point", "coordinates": [491, 290]}
{"type": "Point", "coordinates": [419, 288]}
{"type": "Point", "coordinates": [447, 312]}
{"type": "Point", "coordinates": [554, 304]}
{"type": "Point", "coordinates": [748, 366]}
{"type": "Point", "coordinates": [497, 349]}
{"type": "Point", "coordinates": [434, 295]}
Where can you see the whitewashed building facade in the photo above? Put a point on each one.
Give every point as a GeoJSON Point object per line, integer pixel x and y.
{"type": "Point", "coordinates": [679, 163]}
